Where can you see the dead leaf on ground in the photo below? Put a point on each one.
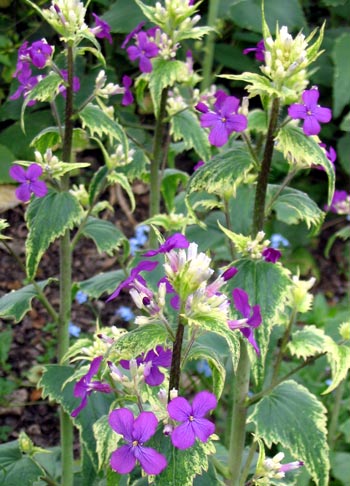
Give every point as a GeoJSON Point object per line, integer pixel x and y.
{"type": "Point", "coordinates": [8, 199]}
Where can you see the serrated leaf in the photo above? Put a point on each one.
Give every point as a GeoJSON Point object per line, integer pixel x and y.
{"type": "Point", "coordinates": [164, 74]}
{"type": "Point", "coordinates": [122, 180]}
{"type": "Point", "coordinates": [223, 173]}
{"type": "Point", "coordinates": [293, 206]}
{"type": "Point", "coordinates": [341, 93]}
{"type": "Point", "coordinates": [343, 233]}
{"type": "Point", "coordinates": [172, 179]}
{"type": "Point", "coordinates": [17, 468]}
{"type": "Point", "coordinates": [97, 184]}
{"type": "Point", "coordinates": [106, 440]}
{"type": "Point", "coordinates": [291, 416]}
{"type": "Point", "coordinates": [307, 342]}
{"type": "Point", "coordinates": [95, 286]}
{"type": "Point", "coordinates": [77, 349]}
{"type": "Point", "coordinates": [47, 138]}
{"type": "Point", "coordinates": [139, 340]}
{"type": "Point", "coordinates": [304, 152]}
{"type": "Point", "coordinates": [185, 126]}
{"type": "Point", "coordinates": [98, 122]}
{"type": "Point", "coordinates": [338, 356]}
{"type": "Point", "coordinates": [257, 121]}
{"type": "Point", "coordinates": [17, 303]}
{"type": "Point", "coordinates": [255, 278]}
{"type": "Point", "coordinates": [106, 235]}
{"type": "Point", "coordinates": [48, 218]}
{"type": "Point", "coordinates": [199, 351]}
{"type": "Point", "coordinates": [257, 84]}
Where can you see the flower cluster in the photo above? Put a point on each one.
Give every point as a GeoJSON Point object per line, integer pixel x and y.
{"type": "Point", "coordinates": [273, 469]}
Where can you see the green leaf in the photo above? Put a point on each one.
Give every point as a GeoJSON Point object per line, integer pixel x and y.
{"type": "Point", "coordinates": [16, 468]}
{"type": "Point", "coordinates": [106, 235]}
{"type": "Point", "coordinates": [98, 122]}
{"type": "Point", "coordinates": [257, 121]}
{"type": "Point", "coordinates": [95, 286]}
{"type": "Point", "coordinates": [340, 466]}
{"type": "Point", "coordinates": [165, 74]}
{"type": "Point", "coordinates": [47, 138]}
{"type": "Point", "coordinates": [291, 416]}
{"type": "Point", "coordinates": [123, 16]}
{"type": "Point", "coordinates": [97, 183]}
{"type": "Point", "coordinates": [171, 181]}
{"type": "Point", "coordinates": [307, 342]}
{"type": "Point", "coordinates": [48, 218]}
{"type": "Point", "coordinates": [338, 357]}
{"type": "Point", "coordinates": [341, 93]}
{"type": "Point", "coordinates": [223, 173]}
{"type": "Point", "coordinates": [139, 340]}
{"type": "Point", "coordinates": [6, 159]}
{"type": "Point", "coordinates": [199, 351]}
{"type": "Point", "coordinates": [304, 152]}
{"type": "Point", "coordinates": [343, 233]}
{"type": "Point", "coordinates": [256, 277]}
{"type": "Point", "coordinates": [17, 303]}
{"type": "Point", "coordinates": [5, 345]}
{"type": "Point", "coordinates": [122, 180]}
{"type": "Point", "coordinates": [257, 84]}
{"type": "Point", "coordinates": [293, 206]}
{"type": "Point", "coordinates": [106, 441]}
{"type": "Point", "coordinates": [185, 126]}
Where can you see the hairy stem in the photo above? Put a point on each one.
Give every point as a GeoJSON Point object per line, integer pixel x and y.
{"type": "Point", "coordinates": [209, 45]}
{"type": "Point", "coordinates": [175, 369]}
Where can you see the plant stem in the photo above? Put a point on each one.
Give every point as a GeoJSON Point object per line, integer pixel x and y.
{"type": "Point", "coordinates": [66, 427]}
{"type": "Point", "coordinates": [333, 425]}
{"type": "Point", "coordinates": [261, 187]}
{"type": "Point", "coordinates": [239, 415]}
{"type": "Point", "coordinates": [282, 186]}
{"type": "Point", "coordinates": [156, 162]}
{"type": "Point", "coordinates": [248, 462]}
{"type": "Point", "coordinates": [209, 45]}
{"type": "Point", "coordinates": [175, 368]}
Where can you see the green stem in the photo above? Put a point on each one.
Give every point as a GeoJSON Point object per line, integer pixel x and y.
{"type": "Point", "coordinates": [251, 150]}
{"type": "Point", "coordinates": [333, 425]}
{"type": "Point", "coordinates": [282, 186]}
{"type": "Point", "coordinates": [209, 46]}
{"type": "Point", "coordinates": [239, 415]}
{"type": "Point", "coordinates": [248, 462]}
{"type": "Point", "coordinates": [285, 339]}
{"type": "Point", "coordinates": [66, 427]}
{"type": "Point", "coordinates": [261, 187]}
{"type": "Point", "coordinates": [175, 369]}
{"type": "Point", "coordinates": [156, 162]}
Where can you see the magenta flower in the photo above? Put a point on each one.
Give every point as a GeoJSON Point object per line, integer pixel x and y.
{"type": "Point", "coordinates": [102, 30]}
{"type": "Point", "coordinates": [135, 432]}
{"type": "Point", "coordinates": [40, 52]}
{"type": "Point", "coordinates": [153, 360]}
{"type": "Point", "coordinates": [132, 34]}
{"type": "Point", "coordinates": [259, 51]}
{"type": "Point", "coordinates": [128, 98]}
{"type": "Point", "coordinates": [331, 155]}
{"type": "Point", "coordinates": [198, 165]}
{"type": "Point", "coordinates": [340, 203]}
{"type": "Point", "coordinates": [223, 120]}
{"type": "Point", "coordinates": [76, 83]}
{"type": "Point", "coordinates": [143, 51]}
{"type": "Point", "coordinates": [271, 255]}
{"type": "Point", "coordinates": [26, 85]}
{"type": "Point", "coordinates": [29, 181]}
{"type": "Point", "coordinates": [251, 317]}
{"type": "Point", "coordinates": [177, 240]}
{"type": "Point", "coordinates": [194, 425]}
{"type": "Point", "coordinates": [312, 113]}
{"type": "Point", "coordinates": [144, 266]}
{"type": "Point", "coordinates": [84, 387]}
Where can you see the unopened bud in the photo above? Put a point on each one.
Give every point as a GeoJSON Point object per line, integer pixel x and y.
{"type": "Point", "coordinates": [174, 393]}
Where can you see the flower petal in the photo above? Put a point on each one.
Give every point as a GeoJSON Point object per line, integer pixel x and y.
{"type": "Point", "coordinates": [145, 64]}
{"type": "Point", "coordinates": [218, 135]}
{"type": "Point", "coordinates": [310, 98]}
{"type": "Point", "coordinates": [122, 421]}
{"type": "Point", "coordinates": [209, 119]}
{"type": "Point", "coordinates": [155, 377]}
{"type": "Point", "coordinates": [23, 192]}
{"type": "Point", "coordinates": [203, 428]}
{"type": "Point", "coordinates": [82, 405]}
{"type": "Point", "coordinates": [249, 334]}
{"type": "Point", "coordinates": [145, 426]}
{"type": "Point", "coordinates": [123, 459]}
{"type": "Point", "coordinates": [202, 403]}
{"type": "Point", "coordinates": [161, 357]}
{"type": "Point", "coordinates": [241, 301]}
{"type": "Point", "coordinates": [230, 105]}
{"type": "Point", "coordinates": [255, 319]}
{"type": "Point", "coordinates": [94, 366]}
{"type": "Point", "coordinates": [311, 126]}
{"type": "Point", "coordinates": [177, 240]}
{"type": "Point", "coordinates": [323, 115]}
{"type": "Point", "coordinates": [18, 173]}
{"type": "Point", "coordinates": [183, 436]}
{"type": "Point", "coordinates": [179, 409]}
{"type": "Point", "coordinates": [297, 111]}
{"type": "Point", "coordinates": [39, 188]}
{"type": "Point", "coordinates": [34, 171]}
{"type": "Point", "coordinates": [133, 53]}
{"type": "Point", "coordinates": [152, 462]}
{"type": "Point", "coordinates": [236, 123]}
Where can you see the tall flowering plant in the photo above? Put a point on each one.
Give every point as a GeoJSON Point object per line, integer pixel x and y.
{"type": "Point", "coordinates": [221, 298]}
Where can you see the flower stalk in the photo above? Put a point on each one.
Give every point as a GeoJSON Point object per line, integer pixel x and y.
{"type": "Point", "coordinates": [175, 369]}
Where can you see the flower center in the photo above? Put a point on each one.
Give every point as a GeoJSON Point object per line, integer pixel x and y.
{"type": "Point", "coordinates": [309, 112]}
{"type": "Point", "coordinates": [135, 443]}
{"type": "Point", "coordinates": [224, 119]}
{"type": "Point", "coordinates": [191, 418]}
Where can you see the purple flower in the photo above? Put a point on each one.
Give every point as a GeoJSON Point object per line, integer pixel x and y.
{"type": "Point", "coordinates": [290, 466]}
{"type": "Point", "coordinates": [259, 51]}
{"type": "Point", "coordinates": [331, 155]}
{"type": "Point", "coordinates": [132, 34]}
{"type": "Point", "coordinates": [102, 29]}
{"type": "Point", "coordinates": [198, 165]}
{"type": "Point", "coordinates": [26, 85]}
{"type": "Point", "coordinates": [177, 240]}
{"type": "Point", "coordinates": [340, 203]}
{"type": "Point", "coordinates": [29, 181]}
{"type": "Point", "coordinates": [128, 98]}
{"type": "Point", "coordinates": [144, 51]}
{"type": "Point", "coordinates": [144, 266]}
{"type": "Point", "coordinates": [310, 112]}
{"type": "Point", "coordinates": [135, 432]}
{"type": "Point", "coordinates": [40, 52]}
{"type": "Point", "coordinates": [223, 120]}
{"type": "Point", "coordinates": [194, 425]}
{"type": "Point", "coordinates": [76, 83]}
{"type": "Point", "coordinates": [251, 317]}
{"type": "Point", "coordinates": [271, 255]}
{"type": "Point", "coordinates": [152, 360]}
{"type": "Point", "coordinates": [84, 387]}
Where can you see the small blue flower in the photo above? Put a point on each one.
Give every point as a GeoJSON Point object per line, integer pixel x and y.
{"type": "Point", "coordinates": [125, 313]}
{"type": "Point", "coordinates": [73, 329]}
{"type": "Point", "coordinates": [134, 246]}
{"type": "Point", "coordinates": [278, 240]}
{"type": "Point", "coordinates": [204, 368]}
{"type": "Point", "coordinates": [141, 234]}
{"type": "Point", "coordinates": [81, 297]}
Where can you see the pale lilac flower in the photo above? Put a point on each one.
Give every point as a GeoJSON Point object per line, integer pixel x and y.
{"type": "Point", "coordinates": [194, 425]}
{"type": "Point", "coordinates": [29, 181]}
{"type": "Point", "coordinates": [251, 317]}
{"type": "Point", "coordinates": [135, 432]}
{"type": "Point", "coordinates": [271, 255]}
{"type": "Point", "coordinates": [102, 29]}
{"type": "Point", "coordinates": [144, 50]}
{"type": "Point", "coordinates": [128, 98]}
{"type": "Point", "coordinates": [224, 120]}
{"type": "Point", "coordinates": [290, 466]}
{"type": "Point", "coordinates": [154, 359]}
{"type": "Point", "coordinates": [40, 52]}
{"type": "Point", "coordinates": [312, 113]}
{"type": "Point", "coordinates": [259, 51]}
{"type": "Point", "coordinates": [84, 387]}
{"type": "Point", "coordinates": [177, 240]}
{"type": "Point", "coordinates": [132, 34]}
{"type": "Point", "coordinates": [340, 203]}
{"type": "Point", "coordinates": [143, 266]}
